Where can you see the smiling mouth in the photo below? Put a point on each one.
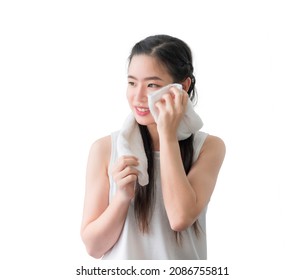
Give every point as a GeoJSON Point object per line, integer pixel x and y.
{"type": "Point", "coordinates": [142, 110]}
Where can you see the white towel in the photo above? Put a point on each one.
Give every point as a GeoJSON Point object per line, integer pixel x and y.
{"type": "Point", "coordinates": [190, 123]}
{"type": "Point", "coordinates": [129, 141]}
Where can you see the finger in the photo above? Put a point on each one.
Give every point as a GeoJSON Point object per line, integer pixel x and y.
{"type": "Point", "coordinates": [125, 161]}
{"type": "Point", "coordinates": [128, 157]}
{"type": "Point", "coordinates": [128, 160]}
{"type": "Point", "coordinates": [128, 171]}
{"type": "Point", "coordinates": [178, 100]}
{"type": "Point", "coordinates": [185, 98]}
{"type": "Point", "coordinates": [175, 90]}
{"type": "Point", "coordinates": [169, 102]}
{"type": "Point", "coordinates": [119, 176]}
{"type": "Point", "coordinates": [128, 179]}
{"type": "Point", "coordinates": [179, 95]}
{"type": "Point", "coordinates": [160, 105]}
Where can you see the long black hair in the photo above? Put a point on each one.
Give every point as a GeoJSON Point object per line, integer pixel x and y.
{"type": "Point", "coordinates": [175, 55]}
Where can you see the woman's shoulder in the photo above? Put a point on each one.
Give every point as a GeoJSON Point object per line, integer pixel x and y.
{"type": "Point", "coordinates": [102, 143]}
{"type": "Point", "coordinates": [206, 143]}
{"type": "Point", "coordinates": [214, 144]}
{"type": "Point", "coordinates": [101, 149]}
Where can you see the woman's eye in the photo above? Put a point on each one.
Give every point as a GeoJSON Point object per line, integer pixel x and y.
{"type": "Point", "coordinates": [153, 86]}
{"type": "Point", "coordinates": [131, 83]}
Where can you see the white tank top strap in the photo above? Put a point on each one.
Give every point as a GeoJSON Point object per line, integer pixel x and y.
{"type": "Point", "coordinates": [198, 141]}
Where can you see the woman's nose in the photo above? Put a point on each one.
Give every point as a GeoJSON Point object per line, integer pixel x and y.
{"type": "Point", "coordinates": [141, 94]}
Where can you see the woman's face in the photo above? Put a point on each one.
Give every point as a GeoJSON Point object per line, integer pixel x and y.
{"type": "Point", "coordinates": [145, 75]}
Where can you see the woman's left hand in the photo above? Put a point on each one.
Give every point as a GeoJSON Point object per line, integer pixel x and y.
{"type": "Point", "coordinates": [171, 107]}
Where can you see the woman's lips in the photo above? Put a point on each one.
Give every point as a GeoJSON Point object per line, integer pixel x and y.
{"type": "Point", "coordinates": [142, 111]}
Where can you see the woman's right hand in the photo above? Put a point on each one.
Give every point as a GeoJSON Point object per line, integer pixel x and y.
{"type": "Point", "coordinates": [125, 175]}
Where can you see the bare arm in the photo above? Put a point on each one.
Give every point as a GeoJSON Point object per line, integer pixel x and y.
{"type": "Point", "coordinates": [102, 222]}
{"type": "Point", "coordinates": [185, 195]}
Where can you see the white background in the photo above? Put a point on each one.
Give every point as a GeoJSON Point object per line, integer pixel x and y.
{"type": "Point", "coordinates": [62, 85]}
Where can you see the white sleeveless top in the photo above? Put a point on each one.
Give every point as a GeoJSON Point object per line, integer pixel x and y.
{"type": "Point", "coordinates": [159, 243]}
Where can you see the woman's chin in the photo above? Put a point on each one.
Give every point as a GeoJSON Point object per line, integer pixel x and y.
{"type": "Point", "coordinates": [144, 120]}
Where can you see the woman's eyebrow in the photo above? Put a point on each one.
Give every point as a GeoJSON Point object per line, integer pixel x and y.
{"type": "Point", "coordinates": [147, 78]}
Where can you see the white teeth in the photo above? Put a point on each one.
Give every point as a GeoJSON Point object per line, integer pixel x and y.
{"type": "Point", "coordinates": [142, 109]}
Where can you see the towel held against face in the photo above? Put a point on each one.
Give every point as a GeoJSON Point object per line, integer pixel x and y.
{"type": "Point", "coordinates": [129, 141]}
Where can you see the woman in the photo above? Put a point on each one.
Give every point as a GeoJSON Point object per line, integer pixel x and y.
{"type": "Point", "coordinates": [166, 218]}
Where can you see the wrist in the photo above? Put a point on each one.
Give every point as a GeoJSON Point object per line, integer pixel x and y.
{"type": "Point", "coordinates": [122, 198]}
{"type": "Point", "coordinates": [167, 139]}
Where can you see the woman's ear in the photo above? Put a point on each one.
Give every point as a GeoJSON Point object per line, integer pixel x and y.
{"type": "Point", "coordinates": [186, 84]}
